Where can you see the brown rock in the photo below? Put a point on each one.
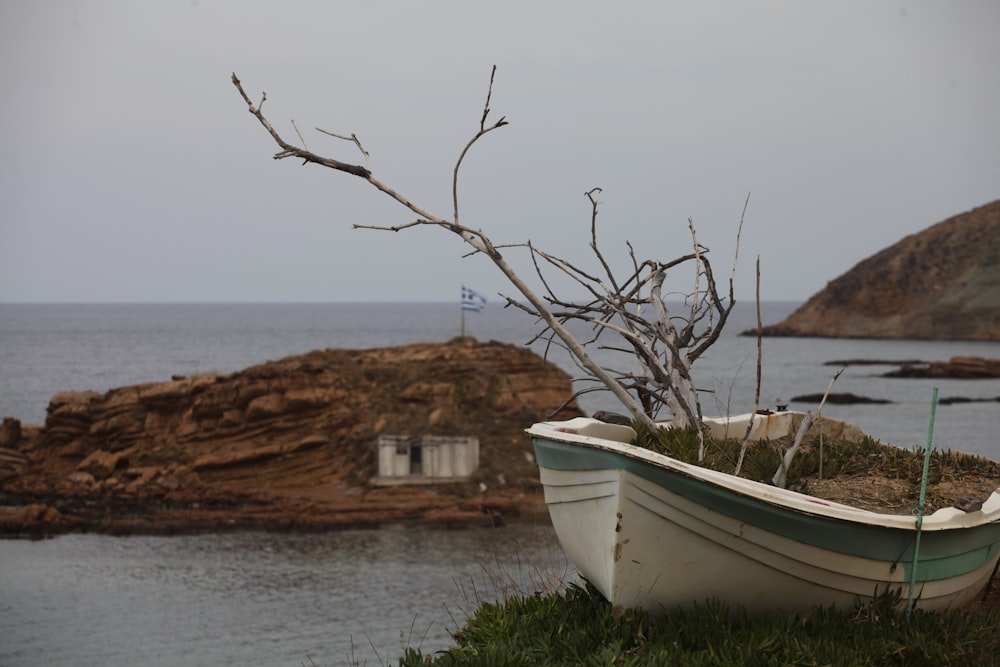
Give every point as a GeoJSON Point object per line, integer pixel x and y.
{"type": "Point", "coordinates": [10, 433]}
{"type": "Point", "coordinates": [188, 428]}
{"type": "Point", "coordinates": [957, 368]}
{"type": "Point", "coordinates": [288, 443]}
{"type": "Point", "coordinates": [40, 514]}
{"type": "Point", "coordinates": [837, 398]}
{"type": "Point", "coordinates": [12, 457]}
{"type": "Point", "coordinates": [232, 418]}
{"type": "Point", "coordinates": [265, 407]}
{"type": "Point", "coordinates": [82, 478]}
{"type": "Point", "coordinates": [435, 417]}
{"type": "Point", "coordinates": [100, 464]}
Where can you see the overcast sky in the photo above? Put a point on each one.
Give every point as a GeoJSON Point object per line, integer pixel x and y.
{"type": "Point", "coordinates": [131, 170]}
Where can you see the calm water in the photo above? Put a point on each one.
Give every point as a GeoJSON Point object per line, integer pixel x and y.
{"type": "Point", "coordinates": [251, 599]}
{"type": "Point", "coordinates": [269, 599]}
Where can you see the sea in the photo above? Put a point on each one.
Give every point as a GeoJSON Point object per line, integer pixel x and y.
{"type": "Point", "coordinates": [361, 596]}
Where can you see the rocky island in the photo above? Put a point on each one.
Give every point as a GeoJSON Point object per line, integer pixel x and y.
{"type": "Point", "coordinates": [940, 284]}
{"type": "Point", "coordinates": [286, 444]}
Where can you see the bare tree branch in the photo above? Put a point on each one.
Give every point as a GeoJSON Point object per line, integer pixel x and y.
{"type": "Point", "coordinates": [288, 150]}
{"type": "Point", "coordinates": [782, 474]}
{"type": "Point", "coordinates": [483, 130]}
{"type": "Point", "coordinates": [301, 138]}
{"type": "Point", "coordinates": [756, 393]}
{"type": "Point", "coordinates": [354, 139]}
{"type": "Point", "coordinates": [662, 351]}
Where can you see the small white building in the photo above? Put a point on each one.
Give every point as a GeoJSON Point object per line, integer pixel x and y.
{"type": "Point", "coordinates": [429, 459]}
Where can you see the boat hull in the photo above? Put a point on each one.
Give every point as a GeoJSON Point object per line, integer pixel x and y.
{"type": "Point", "coordinates": [649, 531]}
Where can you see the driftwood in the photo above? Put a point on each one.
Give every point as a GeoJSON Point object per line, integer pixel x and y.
{"type": "Point", "coordinates": [782, 473]}
{"type": "Point", "coordinates": [631, 309]}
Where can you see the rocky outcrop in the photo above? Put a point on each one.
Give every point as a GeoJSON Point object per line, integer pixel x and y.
{"type": "Point", "coordinates": [961, 368]}
{"type": "Point", "coordinates": [286, 443]}
{"type": "Point", "coordinates": [838, 398]}
{"type": "Point", "coordinates": [942, 283]}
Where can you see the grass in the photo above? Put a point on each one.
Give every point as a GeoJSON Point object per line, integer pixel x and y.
{"type": "Point", "coordinates": [842, 457]}
{"type": "Point", "coordinates": [579, 627]}
{"type": "Point", "coordinates": [951, 474]}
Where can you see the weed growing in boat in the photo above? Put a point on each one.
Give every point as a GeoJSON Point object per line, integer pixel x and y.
{"type": "Point", "coordinates": [866, 473]}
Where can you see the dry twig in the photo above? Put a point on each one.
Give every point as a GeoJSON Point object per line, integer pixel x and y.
{"type": "Point", "coordinates": [664, 346]}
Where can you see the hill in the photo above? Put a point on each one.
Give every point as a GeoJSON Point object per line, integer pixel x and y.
{"type": "Point", "coordinates": [940, 284]}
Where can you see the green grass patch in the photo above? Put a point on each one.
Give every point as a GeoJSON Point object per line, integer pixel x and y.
{"type": "Point", "coordinates": [579, 627]}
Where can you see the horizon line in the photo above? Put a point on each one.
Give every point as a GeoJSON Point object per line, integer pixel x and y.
{"type": "Point", "coordinates": [296, 303]}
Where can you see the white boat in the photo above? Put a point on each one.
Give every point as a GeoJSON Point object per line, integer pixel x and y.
{"type": "Point", "coordinates": [653, 532]}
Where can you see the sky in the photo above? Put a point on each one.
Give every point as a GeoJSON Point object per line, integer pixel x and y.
{"type": "Point", "coordinates": [132, 171]}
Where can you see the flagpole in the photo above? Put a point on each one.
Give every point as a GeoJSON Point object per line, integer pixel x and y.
{"type": "Point", "coordinates": [470, 301]}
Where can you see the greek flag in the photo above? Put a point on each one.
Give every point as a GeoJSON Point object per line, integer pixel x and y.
{"type": "Point", "coordinates": [472, 300]}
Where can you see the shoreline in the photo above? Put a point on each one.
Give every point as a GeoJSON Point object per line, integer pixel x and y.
{"type": "Point", "coordinates": [38, 518]}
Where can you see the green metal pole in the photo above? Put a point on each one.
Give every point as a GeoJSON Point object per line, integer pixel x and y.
{"type": "Point", "coordinates": [920, 503]}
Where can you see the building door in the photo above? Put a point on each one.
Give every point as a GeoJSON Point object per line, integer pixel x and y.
{"type": "Point", "coordinates": [415, 459]}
